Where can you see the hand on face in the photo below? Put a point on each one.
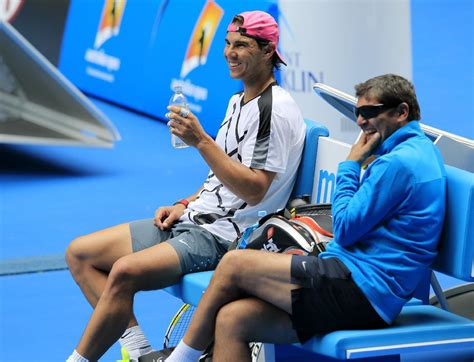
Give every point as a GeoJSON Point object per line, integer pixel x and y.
{"type": "Point", "coordinates": [382, 120]}
{"type": "Point", "coordinates": [364, 147]}
{"type": "Point", "coordinates": [187, 128]}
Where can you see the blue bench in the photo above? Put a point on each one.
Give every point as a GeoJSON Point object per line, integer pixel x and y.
{"type": "Point", "coordinates": [420, 328]}
{"type": "Point", "coordinates": [193, 285]}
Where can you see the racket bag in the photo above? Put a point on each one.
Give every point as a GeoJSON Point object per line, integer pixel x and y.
{"type": "Point", "coordinates": [304, 230]}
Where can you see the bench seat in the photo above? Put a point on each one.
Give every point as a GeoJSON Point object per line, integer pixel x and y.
{"type": "Point", "coordinates": [418, 328]}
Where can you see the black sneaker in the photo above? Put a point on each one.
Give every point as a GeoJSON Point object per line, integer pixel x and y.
{"type": "Point", "coordinates": [156, 356]}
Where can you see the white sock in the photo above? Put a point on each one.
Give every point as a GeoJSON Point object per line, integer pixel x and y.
{"type": "Point", "coordinates": [135, 342]}
{"type": "Point", "coordinates": [76, 357]}
{"type": "Point", "coordinates": [184, 353]}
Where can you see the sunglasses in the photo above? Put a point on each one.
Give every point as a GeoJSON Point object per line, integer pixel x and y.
{"type": "Point", "coordinates": [371, 111]}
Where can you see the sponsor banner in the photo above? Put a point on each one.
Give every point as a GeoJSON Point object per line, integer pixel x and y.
{"type": "Point", "coordinates": [202, 37]}
{"type": "Point", "coordinates": [330, 153]}
{"type": "Point", "coordinates": [134, 52]}
{"type": "Point", "coordinates": [105, 47]}
{"type": "Point", "coordinates": [110, 21]}
{"type": "Point", "coordinates": [341, 43]}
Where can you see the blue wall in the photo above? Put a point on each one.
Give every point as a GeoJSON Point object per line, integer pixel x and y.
{"type": "Point", "coordinates": [443, 63]}
{"type": "Point", "coordinates": [136, 57]}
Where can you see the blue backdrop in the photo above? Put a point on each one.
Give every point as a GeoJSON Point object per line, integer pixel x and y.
{"type": "Point", "coordinates": [146, 45]}
{"type": "Point", "coordinates": [443, 63]}
{"type": "Point", "coordinates": [134, 55]}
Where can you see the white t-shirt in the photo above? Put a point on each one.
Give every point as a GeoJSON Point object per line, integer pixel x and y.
{"type": "Point", "coordinates": [266, 133]}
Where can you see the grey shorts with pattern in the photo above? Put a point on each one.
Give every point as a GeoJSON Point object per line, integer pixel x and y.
{"type": "Point", "coordinates": [197, 248]}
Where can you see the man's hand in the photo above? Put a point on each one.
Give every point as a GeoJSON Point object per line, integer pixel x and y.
{"type": "Point", "coordinates": [187, 128]}
{"type": "Point", "coordinates": [361, 150]}
{"type": "Point", "coordinates": [166, 216]}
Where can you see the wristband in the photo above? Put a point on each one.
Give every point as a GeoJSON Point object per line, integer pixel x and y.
{"type": "Point", "coordinates": [182, 202]}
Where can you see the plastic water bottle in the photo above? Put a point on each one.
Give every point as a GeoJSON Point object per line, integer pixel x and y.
{"type": "Point", "coordinates": [247, 232]}
{"type": "Point", "coordinates": [178, 99]}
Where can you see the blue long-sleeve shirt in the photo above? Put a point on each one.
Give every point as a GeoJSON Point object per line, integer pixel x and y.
{"type": "Point", "coordinates": [387, 225]}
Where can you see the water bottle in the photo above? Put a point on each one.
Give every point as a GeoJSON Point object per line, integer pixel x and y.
{"type": "Point", "coordinates": [178, 99]}
{"type": "Point", "coordinates": [249, 230]}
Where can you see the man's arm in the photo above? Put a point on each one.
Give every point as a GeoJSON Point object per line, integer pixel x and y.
{"type": "Point", "coordinates": [249, 184]}
{"type": "Point", "coordinates": [358, 208]}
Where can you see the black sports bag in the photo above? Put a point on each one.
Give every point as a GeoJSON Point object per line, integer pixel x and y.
{"type": "Point", "coordinates": [304, 230]}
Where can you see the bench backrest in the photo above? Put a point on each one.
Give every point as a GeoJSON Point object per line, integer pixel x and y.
{"type": "Point", "coordinates": [456, 246]}
{"type": "Point", "coordinates": [305, 177]}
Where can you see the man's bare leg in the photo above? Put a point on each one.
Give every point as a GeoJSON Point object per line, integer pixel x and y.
{"type": "Point", "coordinates": [240, 274]}
{"type": "Point", "coordinates": [149, 269]}
{"type": "Point", "coordinates": [248, 320]}
{"type": "Point", "coordinates": [90, 259]}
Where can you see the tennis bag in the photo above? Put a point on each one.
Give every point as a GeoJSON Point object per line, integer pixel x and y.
{"type": "Point", "coordinates": [304, 230]}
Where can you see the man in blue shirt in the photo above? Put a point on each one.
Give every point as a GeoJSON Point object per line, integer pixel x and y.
{"type": "Point", "coordinates": [386, 228]}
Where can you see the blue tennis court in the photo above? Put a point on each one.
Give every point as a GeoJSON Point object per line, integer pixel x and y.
{"type": "Point", "coordinates": [50, 195]}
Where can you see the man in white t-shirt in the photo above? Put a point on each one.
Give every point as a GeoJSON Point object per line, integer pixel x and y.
{"type": "Point", "coordinates": [253, 164]}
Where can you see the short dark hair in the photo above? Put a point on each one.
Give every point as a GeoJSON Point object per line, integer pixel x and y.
{"type": "Point", "coordinates": [239, 20]}
{"type": "Point", "coordinates": [391, 89]}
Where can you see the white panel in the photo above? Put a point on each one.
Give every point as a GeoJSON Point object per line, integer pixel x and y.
{"type": "Point", "coordinates": [341, 43]}
{"type": "Point", "coordinates": [330, 153]}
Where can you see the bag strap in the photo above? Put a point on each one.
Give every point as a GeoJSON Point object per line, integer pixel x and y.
{"type": "Point", "coordinates": [285, 213]}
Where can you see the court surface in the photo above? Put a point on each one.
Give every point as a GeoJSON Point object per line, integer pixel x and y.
{"type": "Point", "coordinates": [50, 195]}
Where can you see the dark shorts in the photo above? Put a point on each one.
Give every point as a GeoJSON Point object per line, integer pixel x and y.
{"type": "Point", "coordinates": [197, 248]}
{"type": "Point", "coordinates": [329, 299]}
